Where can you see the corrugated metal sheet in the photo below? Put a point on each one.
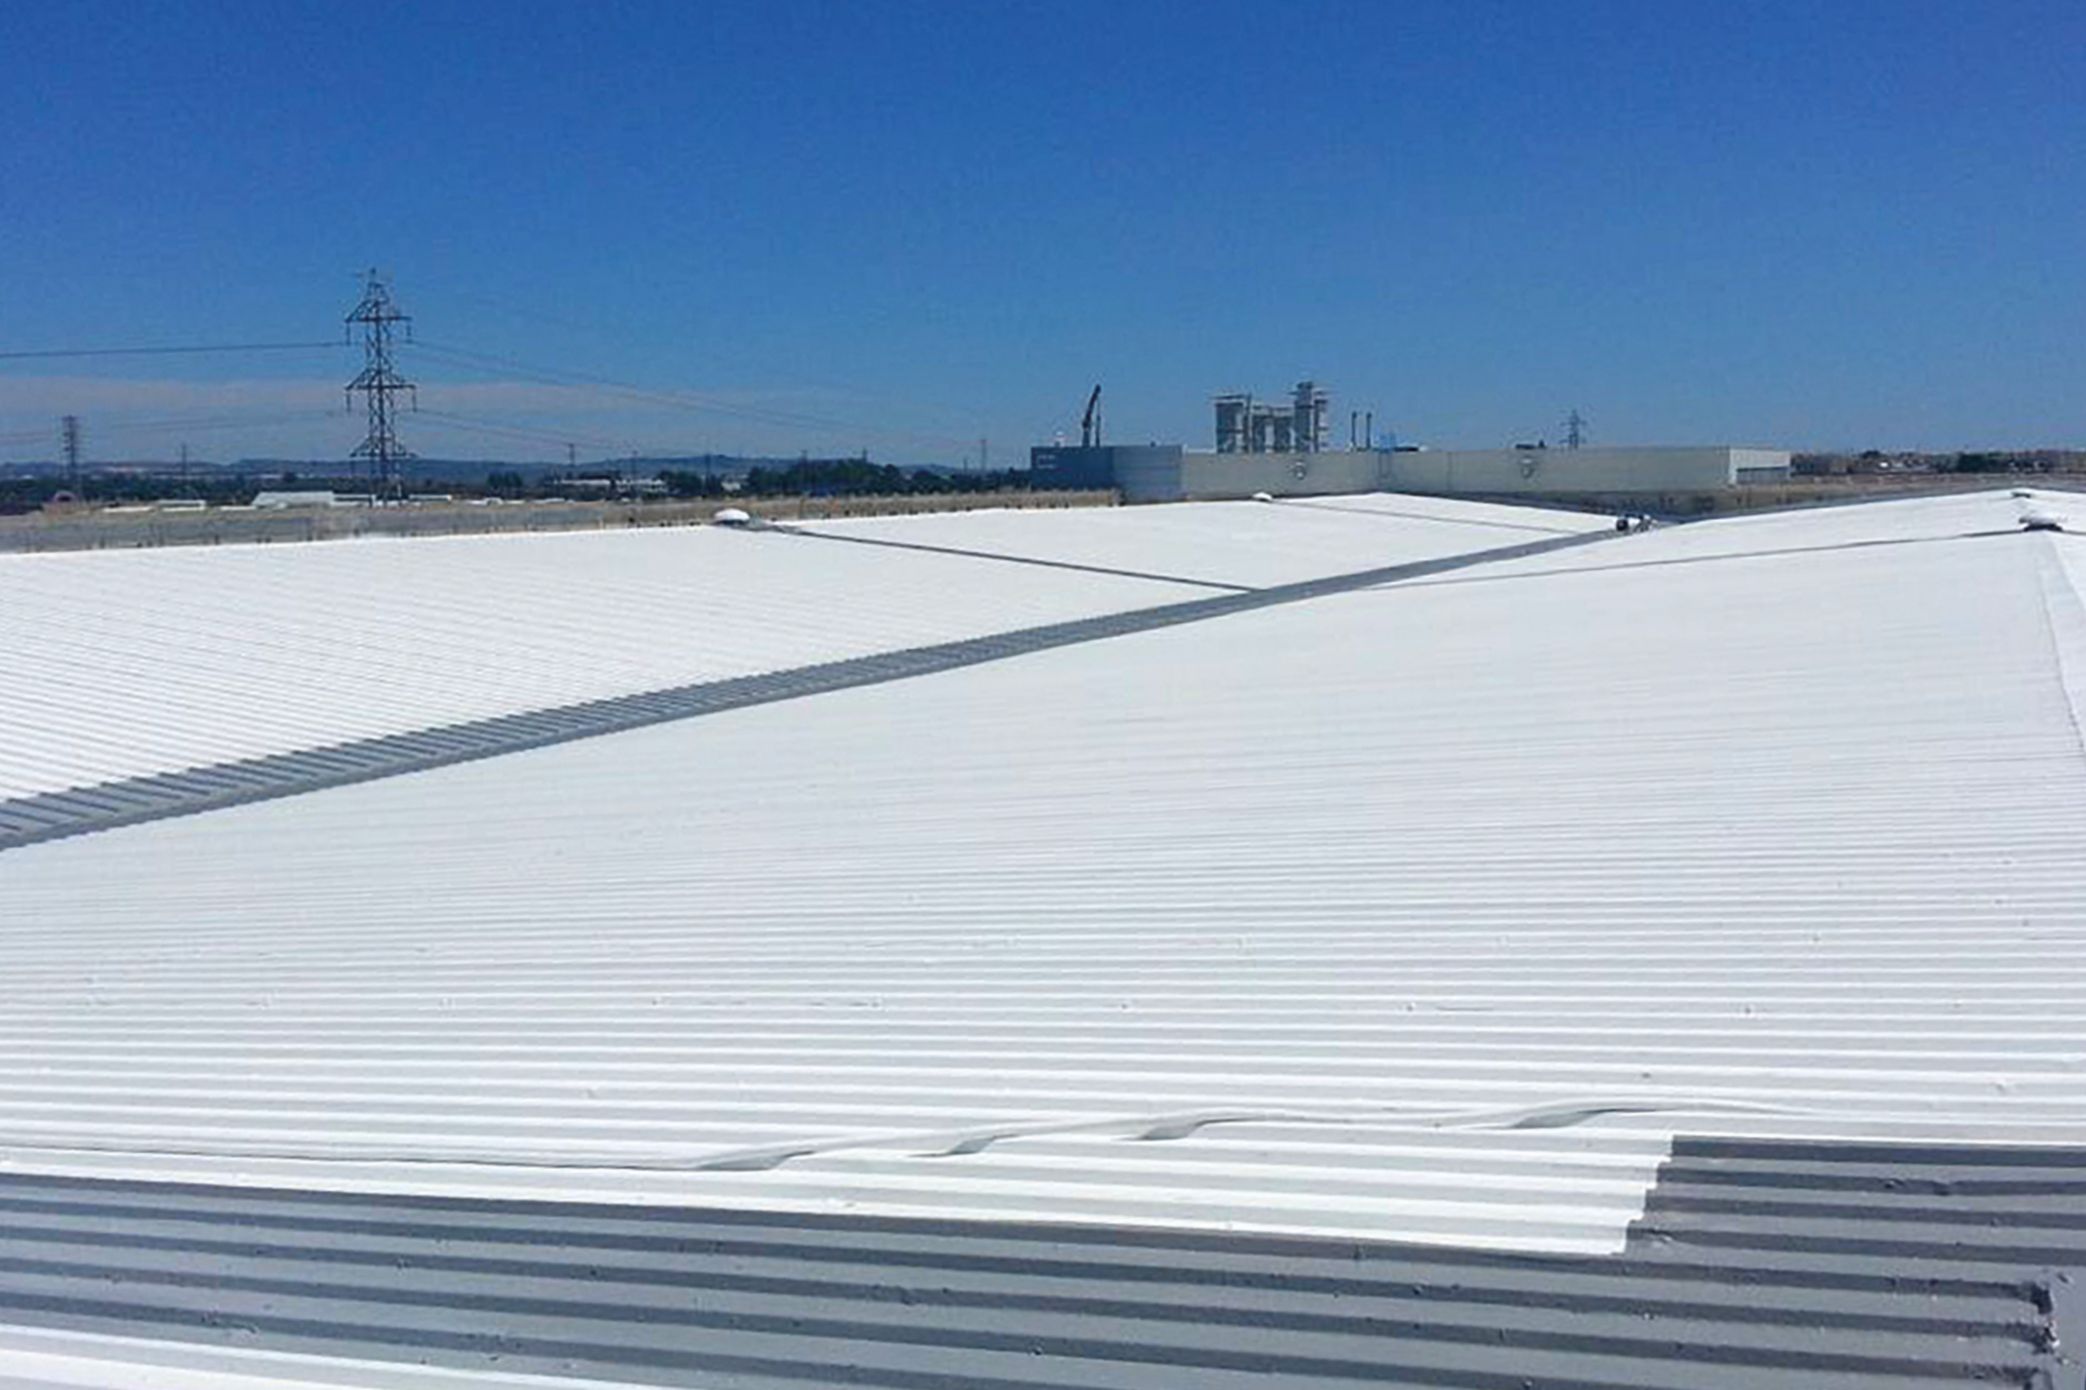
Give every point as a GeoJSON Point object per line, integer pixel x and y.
{"type": "Point", "coordinates": [131, 663]}
{"type": "Point", "coordinates": [1473, 982]}
{"type": "Point", "coordinates": [132, 800]}
{"type": "Point", "coordinates": [125, 663]}
{"type": "Point", "coordinates": [1428, 912]}
{"type": "Point", "coordinates": [1828, 1267]}
{"type": "Point", "coordinates": [1254, 544]}
{"type": "Point", "coordinates": [1768, 537]}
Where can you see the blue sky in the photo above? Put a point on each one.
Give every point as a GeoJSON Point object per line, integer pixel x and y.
{"type": "Point", "coordinates": [905, 226]}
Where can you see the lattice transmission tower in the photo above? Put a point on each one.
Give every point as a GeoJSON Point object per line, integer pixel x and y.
{"type": "Point", "coordinates": [379, 383]}
{"type": "Point", "coordinates": [69, 436]}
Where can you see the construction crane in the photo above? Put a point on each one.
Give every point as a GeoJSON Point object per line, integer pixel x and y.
{"type": "Point", "coordinates": [1090, 423]}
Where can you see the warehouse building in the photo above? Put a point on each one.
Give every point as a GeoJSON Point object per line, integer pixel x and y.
{"type": "Point", "coordinates": [1523, 470]}
{"type": "Point", "coordinates": [1280, 449]}
{"type": "Point", "coordinates": [1169, 473]}
{"type": "Point", "coordinates": [1231, 944]}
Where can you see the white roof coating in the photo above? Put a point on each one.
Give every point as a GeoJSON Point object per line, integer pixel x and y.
{"type": "Point", "coordinates": [122, 663]}
{"type": "Point", "coordinates": [1250, 543]}
{"type": "Point", "coordinates": [1430, 911]}
{"type": "Point", "coordinates": [133, 662]}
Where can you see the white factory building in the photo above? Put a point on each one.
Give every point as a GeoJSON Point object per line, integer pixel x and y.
{"type": "Point", "coordinates": [1280, 448]}
{"type": "Point", "coordinates": [1382, 942]}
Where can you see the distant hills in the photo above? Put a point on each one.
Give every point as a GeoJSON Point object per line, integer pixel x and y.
{"type": "Point", "coordinates": [436, 470]}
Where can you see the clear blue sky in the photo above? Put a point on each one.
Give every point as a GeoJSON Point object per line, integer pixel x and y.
{"type": "Point", "coordinates": [1832, 223]}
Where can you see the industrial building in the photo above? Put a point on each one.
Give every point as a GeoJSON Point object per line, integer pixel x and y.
{"type": "Point", "coordinates": [1397, 941]}
{"type": "Point", "coordinates": [1246, 426]}
{"type": "Point", "coordinates": [1169, 473]}
{"type": "Point", "coordinates": [1592, 469]}
{"type": "Point", "coordinates": [1280, 449]}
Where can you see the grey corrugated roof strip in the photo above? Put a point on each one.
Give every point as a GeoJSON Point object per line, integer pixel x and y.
{"type": "Point", "coordinates": [54, 815]}
{"type": "Point", "coordinates": [976, 554]}
{"type": "Point", "coordinates": [1906, 1274]}
{"type": "Point", "coordinates": [1321, 505]}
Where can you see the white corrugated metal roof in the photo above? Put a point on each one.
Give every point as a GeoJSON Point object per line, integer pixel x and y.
{"type": "Point", "coordinates": [1250, 543]}
{"type": "Point", "coordinates": [1451, 900]}
{"type": "Point", "coordinates": [134, 662]}
{"type": "Point", "coordinates": [129, 662]}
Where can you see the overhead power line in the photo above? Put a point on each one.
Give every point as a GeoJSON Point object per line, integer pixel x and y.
{"type": "Point", "coordinates": [470, 425]}
{"type": "Point", "coordinates": [190, 422]}
{"type": "Point", "coordinates": [183, 423]}
{"type": "Point", "coordinates": [216, 422]}
{"type": "Point", "coordinates": [380, 382]}
{"type": "Point", "coordinates": [533, 311]}
{"type": "Point", "coordinates": [490, 363]}
{"type": "Point", "coordinates": [677, 400]}
{"type": "Point", "coordinates": [163, 351]}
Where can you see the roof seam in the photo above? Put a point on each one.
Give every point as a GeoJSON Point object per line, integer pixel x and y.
{"type": "Point", "coordinates": [80, 810]}
{"type": "Point", "coordinates": [2064, 617]}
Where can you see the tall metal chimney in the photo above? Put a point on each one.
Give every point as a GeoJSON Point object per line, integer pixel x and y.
{"type": "Point", "coordinates": [1308, 417]}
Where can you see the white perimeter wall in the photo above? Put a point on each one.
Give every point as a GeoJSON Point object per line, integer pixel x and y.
{"type": "Point", "coordinates": [1509, 471]}
{"type": "Point", "coordinates": [1213, 476]}
{"type": "Point", "coordinates": [1492, 471]}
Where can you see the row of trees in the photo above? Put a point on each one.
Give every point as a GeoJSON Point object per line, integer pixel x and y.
{"type": "Point", "coordinates": [114, 489]}
{"type": "Point", "coordinates": [808, 477]}
{"type": "Point", "coordinates": [842, 478]}
{"type": "Point", "coordinates": [1968, 461]}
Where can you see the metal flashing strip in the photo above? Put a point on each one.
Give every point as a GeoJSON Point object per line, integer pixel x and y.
{"type": "Point", "coordinates": [1488, 523]}
{"type": "Point", "coordinates": [1834, 1267]}
{"type": "Point", "coordinates": [105, 806]}
{"type": "Point", "coordinates": [974, 554]}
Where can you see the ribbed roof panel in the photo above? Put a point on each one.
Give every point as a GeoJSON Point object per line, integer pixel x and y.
{"type": "Point", "coordinates": [1427, 913]}
{"type": "Point", "coordinates": [125, 663]}
{"type": "Point", "coordinates": [1256, 544]}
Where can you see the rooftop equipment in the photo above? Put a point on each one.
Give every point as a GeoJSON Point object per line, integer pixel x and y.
{"type": "Point", "coordinates": [1232, 412]}
{"type": "Point", "coordinates": [1247, 427]}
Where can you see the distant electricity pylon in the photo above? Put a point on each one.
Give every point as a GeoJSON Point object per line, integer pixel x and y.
{"type": "Point", "coordinates": [69, 434]}
{"type": "Point", "coordinates": [1575, 430]}
{"type": "Point", "coordinates": [379, 382]}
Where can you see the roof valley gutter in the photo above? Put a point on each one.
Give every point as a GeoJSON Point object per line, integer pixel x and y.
{"type": "Point", "coordinates": [1488, 523]}
{"type": "Point", "coordinates": [1016, 559]}
{"type": "Point", "coordinates": [2064, 615]}
{"type": "Point", "coordinates": [189, 791]}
